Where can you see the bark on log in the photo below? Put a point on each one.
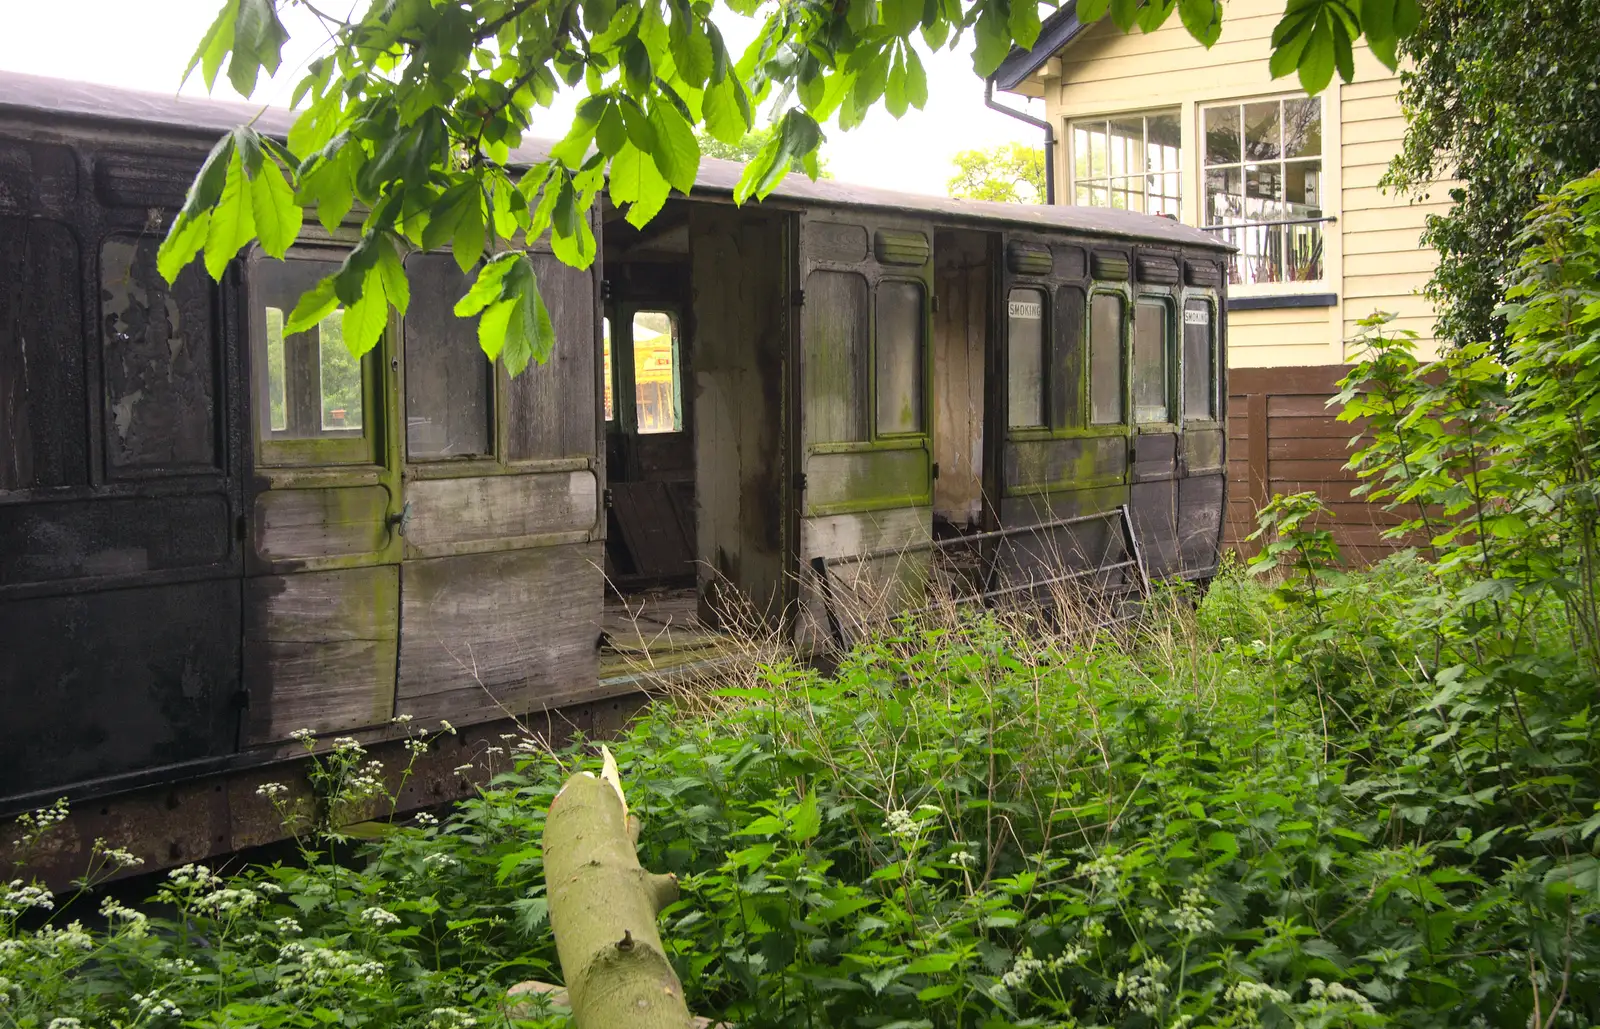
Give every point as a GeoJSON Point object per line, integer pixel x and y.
{"type": "Point", "coordinates": [603, 909]}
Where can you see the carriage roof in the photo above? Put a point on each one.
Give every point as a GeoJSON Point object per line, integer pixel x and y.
{"type": "Point", "coordinates": [58, 98]}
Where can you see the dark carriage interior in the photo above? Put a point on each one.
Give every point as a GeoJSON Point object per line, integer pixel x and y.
{"type": "Point", "coordinates": [694, 340]}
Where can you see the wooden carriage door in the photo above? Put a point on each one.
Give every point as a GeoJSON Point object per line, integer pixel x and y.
{"type": "Point", "coordinates": [502, 579]}
{"type": "Point", "coordinates": [1060, 419]}
{"type": "Point", "coordinates": [322, 590]}
{"type": "Point", "coordinates": [865, 461]}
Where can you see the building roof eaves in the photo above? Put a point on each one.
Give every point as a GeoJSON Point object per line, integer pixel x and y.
{"type": "Point", "coordinates": [1058, 30]}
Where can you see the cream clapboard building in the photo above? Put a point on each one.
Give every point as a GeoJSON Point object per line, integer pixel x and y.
{"type": "Point", "coordinates": [1158, 123]}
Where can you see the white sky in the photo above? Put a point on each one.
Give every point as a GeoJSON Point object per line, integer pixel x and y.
{"type": "Point", "coordinates": [145, 44]}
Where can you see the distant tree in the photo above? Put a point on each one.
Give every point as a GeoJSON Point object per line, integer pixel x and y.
{"type": "Point", "coordinates": [1012, 174]}
{"type": "Point", "coordinates": [1500, 96]}
{"type": "Point", "coordinates": [742, 151]}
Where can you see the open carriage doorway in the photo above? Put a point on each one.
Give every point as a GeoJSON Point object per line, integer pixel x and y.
{"type": "Point", "coordinates": [694, 345]}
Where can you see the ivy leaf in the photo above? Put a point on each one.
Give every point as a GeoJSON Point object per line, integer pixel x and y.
{"type": "Point", "coordinates": [277, 217]}
{"type": "Point", "coordinates": [232, 220]}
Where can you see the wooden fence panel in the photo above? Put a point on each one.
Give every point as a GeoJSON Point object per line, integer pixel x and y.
{"type": "Point", "coordinates": [1283, 437]}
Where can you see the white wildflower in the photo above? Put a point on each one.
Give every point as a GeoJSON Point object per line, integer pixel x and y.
{"type": "Point", "coordinates": [1249, 993]}
{"type": "Point", "coordinates": [229, 903]}
{"type": "Point", "coordinates": [152, 1006]}
{"type": "Point", "coordinates": [1338, 993]}
{"type": "Point", "coordinates": [464, 769]}
{"type": "Point", "coordinates": [303, 735]}
{"type": "Point", "coordinates": [16, 897]}
{"type": "Point", "coordinates": [423, 818]}
{"type": "Point", "coordinates": [287, 926]}
{"type": "Point", "coordinates": [1105, 871]}
{"type": "Point", "coordinates": [134, 923]}
{"type": "Point", "coordinates": [964, 858]}
{"type": "Point", "coordinates": [401, 719]}
{"type": "Point", "coordinates": [117, 857]}
{"type": "Point", "coordinates": [444, 723]}
{"type": "Point", "coordinates": [900, 824]}
{"type": "Point", "coordinates": [378, 917]}
{"type": "Point", "coordinates": [58, 941]}
{"type": "Point", "coordinates": [450, 1018]}
{"type": "Point", "coordinates": [271, 790]}
{"type": "Point", "coordinates": [65, 1023]}
{"type": "Point", "coordinates": [1193, 916]}
{"type": "Point", "coordinates": [417, 745]}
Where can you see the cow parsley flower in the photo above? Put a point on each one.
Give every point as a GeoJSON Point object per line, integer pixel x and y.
{"type": "Point", "coordinates": [378, 917]}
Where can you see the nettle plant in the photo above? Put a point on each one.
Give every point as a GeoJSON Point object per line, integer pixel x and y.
{"type": "Point", "coordinates": [416, 106]}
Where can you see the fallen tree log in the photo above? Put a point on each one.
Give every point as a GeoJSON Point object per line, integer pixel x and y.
{"type": "Point", "coordinates": [603, 908]}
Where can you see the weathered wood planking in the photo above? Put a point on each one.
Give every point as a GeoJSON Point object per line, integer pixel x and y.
{"type": "Point", "coordinates": [962, 283]}
{"type": "Point", "coordinates": [113, 682]}
{"type": "Point", "coordinates": [1032, 465]}
{"type": "Point", "coordinates": [879, 477]}
{"type": "Point", "coordinates": [552, 405]}
{"type": "Point", "coordinates": [1030, 556]}
{"type": "Point", "coordinates": [320, 651]}
{"type": "Point", "coordinates": [502, 632]}
{"type": "Point", "coordinates": [741, 349]}
{"type": "Point", "coordinates": [115, 536]}
{"type": "Point", "coordinates": [43, 433]}
{"type": "Point", "coordinates": [1199, 522]}
{"type": "Point", "coordinates": [651, 529]}
{"type": "Point", "coordinates": [159, 363]}
{"type": "Point", "coordinates": [297, 524]}
{"type": "Point", "coordinates": [491, 507]}
{"type": "Point", "coordinates": [872, 588]}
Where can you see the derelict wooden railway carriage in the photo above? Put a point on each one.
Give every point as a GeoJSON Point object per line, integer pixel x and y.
{"type": "Point", "coordinates": [212, 535]}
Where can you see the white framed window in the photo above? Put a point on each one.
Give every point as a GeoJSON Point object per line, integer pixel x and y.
{"type": "Point", "coordinates": [1129, 161]}
{"type": "Point", "coordinates": [1263, 187]}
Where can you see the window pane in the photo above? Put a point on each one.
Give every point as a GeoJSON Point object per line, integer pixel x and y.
{"type": "Point", "coordinates": [1151, 387]}
{"type": "Point", "coordinates": [1105, 359]}
{"type": "Point", "coordinates": [899, 357]}
{"type": "Point", "coordinates": [1025, 358]}
{"type": "Point", "coordinates": [1080, 152]}
{"type": "Point", "coordinates": [655, 372]}
{"type": "Point", "coordinates": [1097, 149]}
{"type": "Point", "coordinates": [1127, 146]}
{"type": "Point", "coordinates": [1222, 135]}
{"type": "Point", "coordinates": [1302, 127]}
{"type": "Point", "coordinates": [1302, 181]}
{"type": "Point", "coordinates": [1262, 135]}
{"type": "Point", "coordinates": [277, 415]}
{"type": "Point", "coordinates": [1199, 392]}
{"type": "Point", "coordinates": [1162, 195]}
{"type": "Point", "coordinates": [340, 376]}
{"type": "Point", "coordinates": [605, 351]}
{"type": "Point", "coordinates": [1263, 190]}
{"type": "Point", "coordinates": [1224, 196]}
{"type": "Point", "coordinates": [833, 360]}
{"type": "Point", "coordinates": [308, 385]}
{"type": "Point", "coordinates": [1303, 257]}
{"type": "Point", "coordinates": [1081, 197]}
{"type": "Point", "coordinates": [1163, 138]}
{"type": "Point", "coordinates": [448, 381]}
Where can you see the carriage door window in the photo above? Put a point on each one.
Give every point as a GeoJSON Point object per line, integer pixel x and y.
{"type": "Point", "coordinates": [605, 353]}
{"type": "Point", "coordinates": [448, 378]}
{"type": "Point", "coordinates": [833, 361]}
{"type": "Point", "coordinates": [311, 394]}
{"type": "Point", "coordinates": [1025, 361]}
{"type": "Point", "coordinates": [899, 358]}
{"type": "Point", "coordinates": [1105, 359]}
{"type": "Point", "coordinates": [1199, 374]}
{"type": "Point", "coordinates": [1152, 392]}
{"type": "Point", "coordinates": [657, 388]}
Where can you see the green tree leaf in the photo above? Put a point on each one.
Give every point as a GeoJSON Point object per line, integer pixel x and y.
{"type": "Point", "coordinates": [1024, 22]}
{"type": "Point", "coordinates": [277, 217]}
{"type": "Point", "coordinates": [314, 305]}
{"type": "Point", "coordinates": [677, 152]}
{"type": "Point", "coordinates": [637, 182]}
{"type": "Point", "coordinates": [365, 320]}
{"type": "Point", "coordinates": [232, 222]}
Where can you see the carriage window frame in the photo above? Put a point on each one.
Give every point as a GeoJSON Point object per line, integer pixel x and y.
{"type": "Point", "coordinates": [1213, 339]}
{"type": "Point", "coordinates": [675, 394]}
{"type": "Point", "coordinates": [1170, 347]}
{"type": "Point", "coordinates": [355, 449]}
{"type": "Point", "coordinates": [1049, 419]}
{"type": "Point", "coordinates": [1124, 422]}
{"type": "Point", "coordinates": [493, 398]}
{"type": "Point", "coordinates": [874, 398]}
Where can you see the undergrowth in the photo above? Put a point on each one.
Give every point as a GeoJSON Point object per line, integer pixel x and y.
{"type": "Point", "coordinates": [970, 825]}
